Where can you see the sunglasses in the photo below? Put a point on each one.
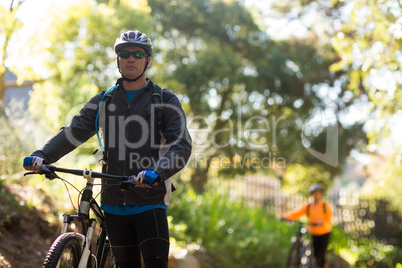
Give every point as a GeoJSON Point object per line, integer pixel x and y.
{"type": "Point", "coordinates": [126, 54]}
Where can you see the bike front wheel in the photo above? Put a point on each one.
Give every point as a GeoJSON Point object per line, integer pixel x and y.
{"type": "Point", "coordinates": [293, 260]}
{"type": "Point", "coordinates": [65, 252]}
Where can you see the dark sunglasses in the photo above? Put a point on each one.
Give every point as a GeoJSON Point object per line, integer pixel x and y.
{"type": "Point", "coordinates": [126, 54]}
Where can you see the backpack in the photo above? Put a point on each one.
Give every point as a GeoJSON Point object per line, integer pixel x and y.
{"type": "Point", "coordinates": [157, 98]}
{"type": "Point", "coordinates": [324, 206]}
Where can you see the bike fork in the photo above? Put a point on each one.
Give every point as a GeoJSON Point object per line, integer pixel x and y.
{"type": "Point", "coordinates": [86, 239]}
{"type": "Point", "coordinates": [86, 243]}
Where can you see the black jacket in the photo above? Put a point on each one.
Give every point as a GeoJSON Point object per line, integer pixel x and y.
{"type": "Point", "coordinates": [132, 141]}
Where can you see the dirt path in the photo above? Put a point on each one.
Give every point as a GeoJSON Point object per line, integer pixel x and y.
{"type": "Point", "coordinates": [25, 240]}
{"type": "Point", "coordinates": [25, 235]}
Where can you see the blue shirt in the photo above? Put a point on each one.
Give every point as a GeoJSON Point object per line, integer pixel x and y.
{"type": "Point", "coordinates": [132, 93]}
{"type": "Point", "coordinates": [129, 210]}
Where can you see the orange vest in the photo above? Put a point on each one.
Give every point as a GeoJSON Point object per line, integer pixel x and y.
{"type": "Point", "coordinates": [315, 214]}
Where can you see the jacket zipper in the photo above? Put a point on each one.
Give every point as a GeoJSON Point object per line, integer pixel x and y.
{"type": "Point", "coordinates": [125, 163]}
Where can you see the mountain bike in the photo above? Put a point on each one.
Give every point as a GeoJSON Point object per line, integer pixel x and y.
{"type": "Point", "coordinates": [78, 248]}
{"type": "Point", "coordinates": [300, 254]}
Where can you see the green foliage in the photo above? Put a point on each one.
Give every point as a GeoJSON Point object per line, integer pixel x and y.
{"type": "Point", "coordinates": [230, 232]}
{"type": "Point", "coordinates": [80, 57]}
{"type": "Point", "coordinates": [235, 235]}
{"type": "Point", "coordinates": [369, 42]}
{"type": "Point", "coordinates": [11, 155]}
{"type": "Point", "coordinates": [249, 94]}
{"type": "Point", "coordinates": [297, 175]}
{"type": "Point", "coordinates": [10, 148]}
{"type": "Point", "coordinates": [364, 252]}
{"type": "Point", "coordinates": [9, 25]}
{"type": "Point", "coordinates": [10, 206]}
{"type": "Point", "coordinates": [390, 185]}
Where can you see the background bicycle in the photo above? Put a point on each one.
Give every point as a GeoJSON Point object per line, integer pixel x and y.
{"type": "Point", "coordinates": [81, 248]}
{"type": "Point", "coordinates": [300, 253]}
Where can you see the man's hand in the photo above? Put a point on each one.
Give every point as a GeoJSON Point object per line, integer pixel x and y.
{"type": "Point", "coordinates": [33, 163]}
{"type": "Point", "coordinates": [140, 184]}
{"type": "Point", "coordinates": [318, 223]}
{"type": "Point", "coordinates": [147, 177]}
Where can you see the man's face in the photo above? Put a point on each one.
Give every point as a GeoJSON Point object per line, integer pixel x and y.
{"type": "Point", "coordinates": [131, 67]}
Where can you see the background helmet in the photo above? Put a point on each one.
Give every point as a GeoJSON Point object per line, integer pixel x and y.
{"type": "Point", "coordinates": [315, 187]}
{"type": "Point", "coordinates": [136, 38]}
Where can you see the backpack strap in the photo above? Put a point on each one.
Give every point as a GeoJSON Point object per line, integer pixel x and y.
{"type": "Point", "coordinates": [157, 98]}
{"type": "Point", "coordinates": [97, 118]}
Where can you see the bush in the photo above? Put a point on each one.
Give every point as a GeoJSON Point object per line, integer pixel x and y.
{"type": "Point", "coordinates": [232, 234]}
{"type": "Point", "coordinates": [364, 252]}
{"type": "Point", "coordinates": [10, 148]}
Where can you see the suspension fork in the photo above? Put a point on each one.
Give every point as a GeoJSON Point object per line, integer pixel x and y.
{"type": "Point", "coordinates": [86, 244]}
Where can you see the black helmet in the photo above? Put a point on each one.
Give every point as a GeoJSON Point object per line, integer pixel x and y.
{"type": "Point", "coordinates": [134, 37]}
{"type": "Point", "coordinates": [315, 187]}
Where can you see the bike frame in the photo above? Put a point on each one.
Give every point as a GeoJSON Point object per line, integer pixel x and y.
{"type": "Point", "coordinates": [87, 203]}
{"type": "Point", "coordinates": [299, 248]}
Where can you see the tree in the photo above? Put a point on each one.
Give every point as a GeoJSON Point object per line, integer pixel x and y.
{"type": "Point", "coordinates": [370, 42]}
{"type": "Point", "coordinates": [248, 96]}
{"type": "Point", "coordinates": [373, 30]}
{"type": "Point", "coordinates": [367, 37]}
{"type": "Point", "coordinates": [80, 57]}
{"type": "Point", "coordinates": [252, 94]}
{"type": "Point", "coordinates": [9, 24]}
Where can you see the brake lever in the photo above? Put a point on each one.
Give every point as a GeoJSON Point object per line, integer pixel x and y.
{"type": "Point", "coordinates": [129, 182]}
{"type": "Point", "coordinates": [30, 173]}
{"type": "Point", "coordinates": [49, 174]}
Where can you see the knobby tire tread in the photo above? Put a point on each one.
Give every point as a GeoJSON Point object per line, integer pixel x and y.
{"type": "Point", "coordinates": [293, 256]}
{"type": "Point", "coordinates": [63, 242]}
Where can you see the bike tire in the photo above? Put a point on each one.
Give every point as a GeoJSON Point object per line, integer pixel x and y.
{"type": "Point", "coordinates": [64, 252]}
{"type": "Point", "coordinates": [293, 260]}
{"type": "Point", "coordinates": [306, 257]}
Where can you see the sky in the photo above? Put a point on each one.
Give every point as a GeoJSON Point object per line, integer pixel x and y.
{"type": "Point", "coordinates": [32, 12]}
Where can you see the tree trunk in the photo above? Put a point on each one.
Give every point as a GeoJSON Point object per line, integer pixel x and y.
{"type": "Point", "coordinates": [200, 174]}
{"type": "Point", "coordinates": [199, 179]}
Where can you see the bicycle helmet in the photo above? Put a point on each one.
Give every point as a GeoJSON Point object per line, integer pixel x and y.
{"type": "Point", "coordinates": [315, 187]}
{"type": "Point", "coordinates": [134, 37]}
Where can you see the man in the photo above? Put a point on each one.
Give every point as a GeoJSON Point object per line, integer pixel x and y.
{"type": "Point", "coordinates": [141, 138]}
{"type": "Point", "coordinates": [319, 222]}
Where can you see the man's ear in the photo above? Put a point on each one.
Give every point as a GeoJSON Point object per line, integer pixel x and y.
{"type": "Point", "coordinates": [149, 61]}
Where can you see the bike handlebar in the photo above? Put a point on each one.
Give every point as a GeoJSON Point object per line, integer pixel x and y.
{"type": "Point", "coordinates": [50, 172]}
{"type": "Point", "coordinates": [303, 223]}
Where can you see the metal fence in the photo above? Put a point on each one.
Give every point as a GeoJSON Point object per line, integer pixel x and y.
{"type": "Point", "coordinates": [361, 217]}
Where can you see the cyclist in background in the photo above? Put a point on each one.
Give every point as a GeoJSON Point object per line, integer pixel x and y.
{"type": "Point", "coordinates": [319, 216]}
{"type": "Point", "coordinates": [134, 145]}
